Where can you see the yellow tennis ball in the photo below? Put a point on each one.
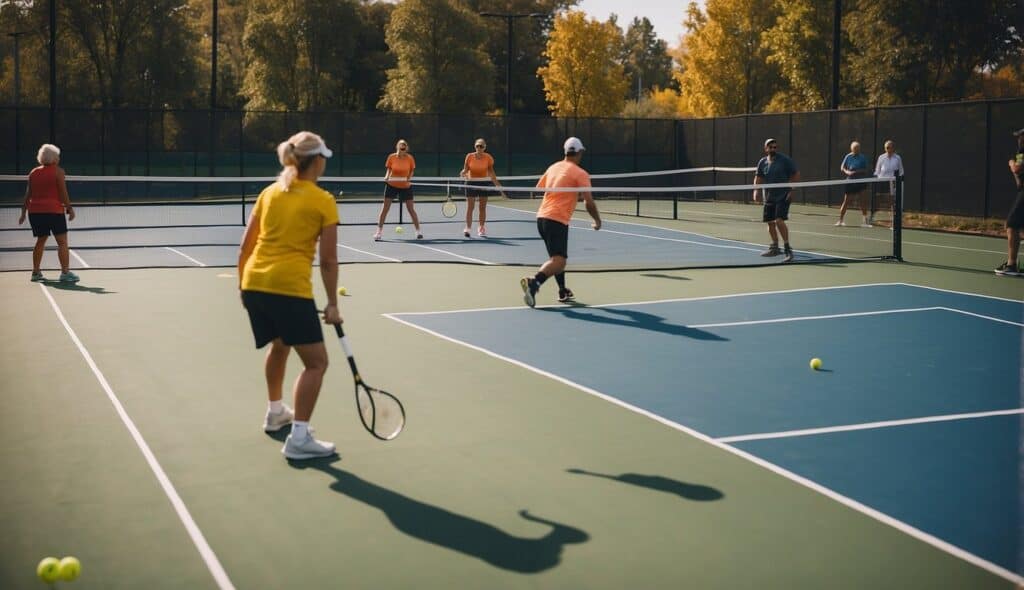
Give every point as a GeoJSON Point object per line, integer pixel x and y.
{"type": "Point", "coordinates": [48, 569]}
{"type": "Point", "coordinates": [815, 363]}
{"type": "Point", "coordinates": [69, 569]}
{"type": "Point", "coordinates": [342, 291]}
{"type": "Point", "coordinates": [398, 229]}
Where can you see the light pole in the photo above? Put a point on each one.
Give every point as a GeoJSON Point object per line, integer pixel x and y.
{"type": "Point", "coordinates": [508, 64]}
{"type": "Point", "coordinates": [17, 97]}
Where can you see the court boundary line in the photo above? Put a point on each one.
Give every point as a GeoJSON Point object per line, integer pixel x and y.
{"type": "Point", "coordinates": [679, 299]}
{"type": "Point", "coordinates": [827, 492]}
{"type": "Point", "coordinates": [475, 260]}
{"type": "Point", "coordinates": [186, 256]}
{"type": "Point", "coordinates": [753, 247]}
{"type": "Point", "coordinates": [867, 426]}
{"type": "Point", "coordinates": [79, 258]}
{"type": "Point", "coordinates": [959, 292]}
{"type": "Point", "coordinates": [213, 564]}
{"type": "Point", "coordinates": [389, 259]}
{"type": "Point", "coordinates": [881, 517]}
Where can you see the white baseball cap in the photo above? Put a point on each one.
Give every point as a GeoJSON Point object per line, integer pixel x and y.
{"type": "Point", "coordinates": [573, 145]}
{"type": "Point", "coordinates": [769, 140]}
{"type": "Point", "coordinates": [321, 150]}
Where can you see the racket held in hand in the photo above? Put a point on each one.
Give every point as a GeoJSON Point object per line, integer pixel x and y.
{"type": "Point", "coordinates": [381, 413]}
{"type": "Point", "coordinates": [448, 208]}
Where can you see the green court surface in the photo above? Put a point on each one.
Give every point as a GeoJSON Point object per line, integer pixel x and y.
{"type": "Point", "coordinates": [484, 489]}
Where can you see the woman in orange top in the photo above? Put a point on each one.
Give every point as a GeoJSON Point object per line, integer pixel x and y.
{"type": "Point", "coordinates": [46, 202]}
{"type": "Point", "coordinates": [400, 164]}
{"type": "Point", "coordinates": [479, 164]}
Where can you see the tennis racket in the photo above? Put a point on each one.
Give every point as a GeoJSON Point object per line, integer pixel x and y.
{"type": "Point", "coordinates": [380, 412]}
{"type": "Point", "coordinates": [448, 208]}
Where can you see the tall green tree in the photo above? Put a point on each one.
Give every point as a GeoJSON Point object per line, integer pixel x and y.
{"type": "Point", "coordinates": [800, 46]}
{"type": "Point", "coordinates": [442, 65]}
{"type": "Point", "coordinates": [646, 58]}
{"type": "Point", "coordinates": [372, 60]}
{"type": "Point", "coordinates": [231, 53]}
{"type": "Point", "coordinates": [724, 65]}
{"type": "Point", "coordinates": [139, 52]}
{"type": "Point", "coordinates": [584, 76]}
{"type": "Point", "coordinates": [911, 51]}
{"type": "Point", "coordinates": [300, 53]}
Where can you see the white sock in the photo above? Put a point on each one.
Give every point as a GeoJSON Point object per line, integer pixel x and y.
{"type": "Point", "coordinates": [276, 407]}
{"type": "Point", "coordinates": [300, 429]}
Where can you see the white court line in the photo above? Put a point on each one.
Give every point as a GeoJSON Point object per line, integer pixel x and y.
{"type": "Point", "coordinates": [182, 254]}
{"type": "Point", "coordinates": [844, 500]}
{"type": "Point", "coordinates": [749, 246]}
{"type": "Point", "coordinates": [212, 563]}
{"type": "Point", "coordinates": [816, 317]}
{"type": "Point", "coordinates": [984, 317]}
{"type": "Point", "coordinates": [389, 259]}
{"type": "Point", "coordinates": [476, 260]}
{"type": "Point", "coordinates": [867, 426]}
{"type": "Point", "coordinates": [957, 292]}
{"type": "Point", "coordinates": [79, 259]}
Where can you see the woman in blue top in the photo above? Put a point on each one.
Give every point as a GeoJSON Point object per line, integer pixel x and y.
{"type": "Point", "coordinates": [855, 165]}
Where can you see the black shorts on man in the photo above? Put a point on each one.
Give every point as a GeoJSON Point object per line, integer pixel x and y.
{"type": "Point", "coordinates": [555, 235]}
{"type": "Point", "coordinates": [44, 224]}
{"type": "Point", "coordinates": [295, 320]}
{"type": "Point", "coordinates": [1015, 220]}
{"type": "Point", "coordinates": [402, 194]}
{"type": "Point", "coordinates": [775, 208]}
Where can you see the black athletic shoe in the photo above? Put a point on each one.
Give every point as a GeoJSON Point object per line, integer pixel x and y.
{"type": "Point", "coordinates": [1008, 270]}
{"type": "Point", "coordinates": [772, 250]}
{"type": "Point", "coordinates": [565, 296]}
{"type": "Point", "coordinates": [789, 254]}
{"type": "Point", "coordinates": [530, 288]}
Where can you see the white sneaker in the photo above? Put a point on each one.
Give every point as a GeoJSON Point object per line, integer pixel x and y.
{"type": "Point", "coordinates": [866, 224]}
{"type": "Point", "coordinates": [377, 235]}
{"type": "Point", "coordinates": [840, 223]}
{"type": "Point", "coordinates": [482, 232]}
{"type": "Point", "coordinates": [273, 422]}
{"type": "Point", "coordinates": [306, 448]}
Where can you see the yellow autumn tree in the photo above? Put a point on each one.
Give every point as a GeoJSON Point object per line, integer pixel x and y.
{"type": "Point", "coordinates": [584, 77]}
{"type": "Point", "coordinates": [724, 63]}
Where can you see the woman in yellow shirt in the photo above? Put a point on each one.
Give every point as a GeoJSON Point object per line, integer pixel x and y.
{"type": "Point", "coordinates": [275, 269]}
{"type": "Point", "coordinates": [399, 165]}
{"type": "Point", "coordinates": [478, 165]}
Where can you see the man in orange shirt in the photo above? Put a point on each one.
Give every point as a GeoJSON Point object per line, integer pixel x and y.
{"type": "Point", "coordinates": [553, 219]}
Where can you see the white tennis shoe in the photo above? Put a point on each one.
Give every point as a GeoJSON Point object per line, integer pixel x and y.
{"type": "Point", "coordinates": [306, 448]}
{"type": "Point", "coordinates": [273, 422]}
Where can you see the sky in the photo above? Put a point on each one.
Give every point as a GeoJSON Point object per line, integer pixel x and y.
{"type": "Point", "coordinates": [666, 15]}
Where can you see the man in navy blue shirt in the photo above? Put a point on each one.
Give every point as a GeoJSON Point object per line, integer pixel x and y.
{"type": "Point", "coordinates": [774, 168]}
{"type": "Point", "coordinates": [1015, 219]}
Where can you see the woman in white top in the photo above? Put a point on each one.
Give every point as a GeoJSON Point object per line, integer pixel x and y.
{"type": "Point", "coordinates": [888, 164]}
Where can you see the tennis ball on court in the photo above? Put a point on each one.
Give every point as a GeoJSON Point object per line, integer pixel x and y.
{"type": "Point", "coordinates": [342, 290]}
{"type": "Point", "coordinates": [48, 569]}
{"type": "Point", "coordinates": [815, 363]}
{"type": "Point", "coordinates": [69, 569]}
{"type": "Point", "coordinates": [398, 229]}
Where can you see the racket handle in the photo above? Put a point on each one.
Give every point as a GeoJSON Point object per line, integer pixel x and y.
{"type": "Point", "coordinates": [339, 331]}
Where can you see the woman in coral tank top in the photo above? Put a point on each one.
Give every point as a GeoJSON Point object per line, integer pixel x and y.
{"type": "Point", "coordinates": [46, 202]}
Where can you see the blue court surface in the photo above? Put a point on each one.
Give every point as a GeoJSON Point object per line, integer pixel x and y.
{"type": "Point", "coordinates": [915, 418]}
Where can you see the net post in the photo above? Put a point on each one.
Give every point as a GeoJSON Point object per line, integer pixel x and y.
{"type": "Point", "coordinates": [897, 219]}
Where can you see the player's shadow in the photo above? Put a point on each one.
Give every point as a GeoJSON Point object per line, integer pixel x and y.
{"type": "Point", "coordinates": [633, 319]}
{"type": "Point", "coordinates": [444, 528]}
{"type": "Point", "coordinates": [687, 491]}
{"type": "Point", "coordinates": [77, 287]}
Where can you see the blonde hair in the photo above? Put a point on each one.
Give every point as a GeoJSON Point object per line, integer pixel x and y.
{"type": "Point", "coordinates": [296, 154]}
{"type": "Point", "coordinates": [400, 142]}
{"type": "Point", "coordinates": [48, 154]}
{"type": "Point", "coordinates": [888, 143]}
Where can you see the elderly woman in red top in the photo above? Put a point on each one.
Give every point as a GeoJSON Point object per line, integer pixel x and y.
{"type": "Point", "coordinates": [46, 202]}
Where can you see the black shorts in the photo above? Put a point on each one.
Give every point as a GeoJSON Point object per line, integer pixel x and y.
{"type": "Point", "coordinates": [555, 236]}
{"type": "Point", "coordinates": [44, 224]}
{"type": "Point", "coordinates": [1015, 219]}
{"type": "Point", "coordinates": [292, 319]}
{"type": "Point", "coordinates": [775, 209]}
{"type": "Point", "coordinates": [478, 192]}
{"type": "Point", "coordinates": [402, 194]}
{"type": "Point", "coordinates": [855, 188]}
